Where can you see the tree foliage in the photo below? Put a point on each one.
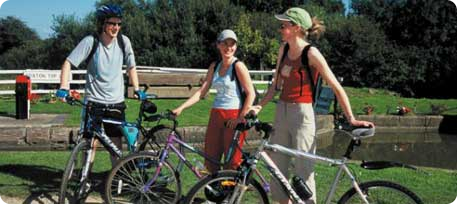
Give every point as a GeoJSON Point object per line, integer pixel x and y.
{"type": "Point", "coordinates": [14, 33]}
{"type": "Point", "coordinates": [408, 46]}
{"type": "Point", "coordinates": [424, 34]}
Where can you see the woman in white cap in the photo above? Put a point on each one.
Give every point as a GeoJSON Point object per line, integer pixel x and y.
{"type": "Point", "coordinates": [294, 120]}
{"type": "Point", "coordinates": [228, 105]}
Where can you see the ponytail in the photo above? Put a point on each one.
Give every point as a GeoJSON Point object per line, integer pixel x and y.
{"type": "Point", "coordinates": [316, 30]}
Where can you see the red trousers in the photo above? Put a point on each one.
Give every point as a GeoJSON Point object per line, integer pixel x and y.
{"type": "Point", "coordinates": [218, 139]}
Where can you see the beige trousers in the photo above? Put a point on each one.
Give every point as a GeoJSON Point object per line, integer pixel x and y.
{"type": "Point", "coordinates": [295, 128]}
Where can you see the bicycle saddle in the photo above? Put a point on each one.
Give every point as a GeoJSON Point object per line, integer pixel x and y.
{"type": "Point", "coordinates": [362, 132]}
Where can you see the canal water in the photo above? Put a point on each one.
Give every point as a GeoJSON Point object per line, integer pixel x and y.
{"type": "Point", "coordinates": [419, 149]}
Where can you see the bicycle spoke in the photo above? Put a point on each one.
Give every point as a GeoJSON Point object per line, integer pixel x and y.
{"type": "Point", "coordinates": [127, 181]}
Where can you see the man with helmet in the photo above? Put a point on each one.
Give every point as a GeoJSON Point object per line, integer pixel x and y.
{"type": "Point", "coordinates": [105, 54]}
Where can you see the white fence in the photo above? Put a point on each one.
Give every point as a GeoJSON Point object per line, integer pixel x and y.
{"type": "Point", "coordinates": [40, 76]}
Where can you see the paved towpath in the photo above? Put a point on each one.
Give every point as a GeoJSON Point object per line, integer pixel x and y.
{"type": "Point", "coordinates": [43, 199]}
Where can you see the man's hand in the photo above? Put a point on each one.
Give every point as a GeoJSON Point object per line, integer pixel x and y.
{"type": "Point", "coordinates": [141, 95]}
{"type": "Point", "coordinates": [62, 94]}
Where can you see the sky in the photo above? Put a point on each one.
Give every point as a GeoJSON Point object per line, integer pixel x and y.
{"type": "Point", "coordinates": [38, 14]}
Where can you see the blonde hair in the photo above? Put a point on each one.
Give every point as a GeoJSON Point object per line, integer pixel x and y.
{"type": "Point", "coordinates": [316, 30]}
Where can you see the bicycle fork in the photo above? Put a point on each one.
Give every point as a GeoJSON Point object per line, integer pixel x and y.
{"type": "Point", "coordinates": [354, 183]}
{"type": "Point", "coordinates": [88, 159]}
{"type": "Point", "coordinates": [162, 158]}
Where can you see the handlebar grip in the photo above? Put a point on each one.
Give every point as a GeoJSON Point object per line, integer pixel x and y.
{"type": "Point", "coordinates": [265, 127]}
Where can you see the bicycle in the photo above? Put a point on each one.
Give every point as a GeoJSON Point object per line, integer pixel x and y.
{"type": "Point", "coordinates": [240, 186]}
{"type": "Point", "coordinates": [146, 177]}
{"type": "Point", "coordinates": [76, 185]}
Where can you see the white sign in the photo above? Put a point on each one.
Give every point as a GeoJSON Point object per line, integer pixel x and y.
{"type": "Point", "coordinates": [44, 75]}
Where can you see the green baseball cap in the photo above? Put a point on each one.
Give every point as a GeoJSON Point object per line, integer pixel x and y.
{"type": "Point", "coordinates": [298, 16]}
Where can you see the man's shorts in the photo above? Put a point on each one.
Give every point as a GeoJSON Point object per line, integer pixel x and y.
{"type": "Point", "coordinates": [99, 111]}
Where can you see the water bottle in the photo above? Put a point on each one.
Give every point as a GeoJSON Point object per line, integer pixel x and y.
{"type": "Point", "coordinates": [200, 167]}
{"type": "Point", "coordinates": [301, 188]}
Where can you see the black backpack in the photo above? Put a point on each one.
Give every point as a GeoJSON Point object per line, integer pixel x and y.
{"type": "Point", "coordinates": [242, 93]}
{"type": "Point", "coordinates": [120, 41]}
{"type": "Point", "coordinates": [322, 95]}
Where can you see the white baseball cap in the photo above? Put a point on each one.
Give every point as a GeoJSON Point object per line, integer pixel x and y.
{"type": "Point", "coordinates": [226, 34]}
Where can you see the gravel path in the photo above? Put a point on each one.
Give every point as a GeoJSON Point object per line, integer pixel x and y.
{"type": "Point", "coordinates": [43, 199]}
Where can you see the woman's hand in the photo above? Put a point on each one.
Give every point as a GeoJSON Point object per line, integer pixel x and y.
{"type": "Point", "coordinates": [232, 123]}
{"type": "Point", "coordinates": [361, 123]}
{"type": "Point", "coordinates": [255, 109]}
{"type": "Point", "coordinates": [177, 111]}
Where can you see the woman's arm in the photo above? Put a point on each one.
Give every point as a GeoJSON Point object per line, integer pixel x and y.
{"type": "Point", "coordinates": [200, 93]}
{"type": "Point", "coordinates": [317, 61]}
{"type": "Point", "coordinates": [271, 92]}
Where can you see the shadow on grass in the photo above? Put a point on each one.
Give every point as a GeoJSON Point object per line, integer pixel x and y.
{"type": "Point", "coordinates": [41, 183]}
{"type": "Point", "coordinates": [6, 114]}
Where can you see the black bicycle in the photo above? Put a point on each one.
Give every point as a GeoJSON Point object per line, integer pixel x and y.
{"type": "Point", "coordinates": [76, 183]}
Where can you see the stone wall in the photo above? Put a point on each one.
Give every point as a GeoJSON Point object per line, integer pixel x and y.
{"type": "Point", "coordinates": [30, 135]}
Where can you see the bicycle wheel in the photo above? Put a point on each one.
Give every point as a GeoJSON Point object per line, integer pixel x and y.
{"type": "Point", "coordinates": [127, 180]}
{"type": "Point", "coordinates": [220, 188]}
{"type": "Point", "coordinates": [156, 139]}
{"type": "Point", "coordinates": [72, 190]}
{"type": "Point", "coordinates": [381, 192]}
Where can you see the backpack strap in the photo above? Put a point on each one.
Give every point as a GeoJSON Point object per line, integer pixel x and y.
{"type": "Point", "coordinates": [305, 63]}
{"type": "Point", "coordinates": [234, 76]}
{"type": "Point", "coordinates": [286, 49]}
{"type": "Point", "coordinates": [93, 49]}
{"type": "Point", "coordinates": [120, 41]}
{"type": "Point", "coordinates": [237, 81]}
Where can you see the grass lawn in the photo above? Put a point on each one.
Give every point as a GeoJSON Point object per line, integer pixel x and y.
{"type": "Point", "coordinates": [382, 101]}
{"type": "Point", "coordinates": [26, 173]}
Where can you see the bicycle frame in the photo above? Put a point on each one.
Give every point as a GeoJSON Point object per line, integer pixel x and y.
{"type": "Point", "coordinates": [99, 133]}
{"type": "Point", "coordinates": [276, 173]}
{"type": "Point", "coordinates": [172, 140]}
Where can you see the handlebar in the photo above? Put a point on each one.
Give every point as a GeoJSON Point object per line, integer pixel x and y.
{"type": "Point", "coordinates": [151, 96]}
{"type": "Point", "coordinates": [252, 121]}
{"type": "Point", "coordinates": [74, 98]}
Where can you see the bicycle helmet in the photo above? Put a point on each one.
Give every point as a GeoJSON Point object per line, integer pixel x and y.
{"type": "Point", "coordinates": [108, 11]}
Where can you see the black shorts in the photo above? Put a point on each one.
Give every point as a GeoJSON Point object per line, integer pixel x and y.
{"type": "Point", "coordinates": [116, 111]}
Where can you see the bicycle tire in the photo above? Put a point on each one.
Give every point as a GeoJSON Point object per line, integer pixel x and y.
{"type": "Point", "coordinates": [381, 192]}
{"type": "Point", "coordinates": [156, 139]}
{"type": "Point", "coordinates": [70, 180]}
{"type": "Point", "coordinates": [127, 179]}
{"type": "Point", "coordinates": [200, 194]}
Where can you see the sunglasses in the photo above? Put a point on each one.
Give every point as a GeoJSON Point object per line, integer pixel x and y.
{"type": "Point", "coordinates": [114, 23]}
{"type": "Point", "coordinates": [286, 25]}
{"type": "Point", "coordinates": [228, 43]}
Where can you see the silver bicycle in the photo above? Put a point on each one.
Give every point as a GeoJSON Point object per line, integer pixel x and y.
{"type": "Point", "coordinates": [241, 187]}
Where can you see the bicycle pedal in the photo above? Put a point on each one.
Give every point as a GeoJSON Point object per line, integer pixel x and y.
{"type": "Point", "coordinates": [87, 188]}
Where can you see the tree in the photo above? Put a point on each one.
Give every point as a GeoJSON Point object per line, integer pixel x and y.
{"type": "Point", "coordinates": [30, 55]}
{"type": "Point", "coordinates": [429, 28]}
{"type": "Point", "coordinates": [14, 33]}
{"type": "Point", "coordinates": [68, 32]}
